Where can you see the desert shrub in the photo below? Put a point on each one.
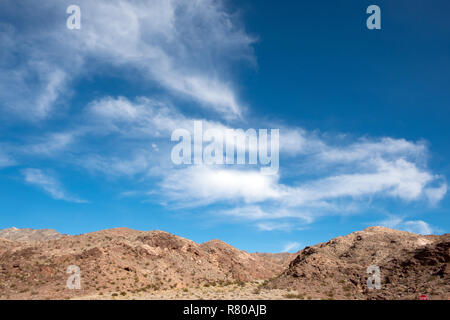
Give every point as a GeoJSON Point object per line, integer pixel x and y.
{"type": "Point", "coordinates": [240, 283]}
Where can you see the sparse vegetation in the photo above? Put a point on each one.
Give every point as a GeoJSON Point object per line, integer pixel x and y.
{"type": "Point", "coordinates": [293, 296]}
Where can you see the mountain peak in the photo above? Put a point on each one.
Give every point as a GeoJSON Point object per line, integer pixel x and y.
{"type": "Point", "coordinates": [29, 235]}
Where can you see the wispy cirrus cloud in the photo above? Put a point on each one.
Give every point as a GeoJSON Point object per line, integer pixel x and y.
{"type": "Point", "coordinates": [355, 172]}
{"type": "Point", "coordinates": [49, 184]}
{"type": "Point", "coordinates": [291, 247]}
{"type": "Point", "coordinates": [183, 49]}
{"type": "Point", "coordinates": [387, 148]}
{"type": "Point", "coordinates": [374, 169]}
{"type": "Point", "coordinates": [418, 226]}
{"type": "Point", "coordinates": [182, 46]}
{"type": "Point", "coordinates": [278, 226]}
{"type": "Point", "coordinates": [398, 179]}
{"type": "Point", "coordinates": [5, 159]}
{"type": "Point", "coordinates": [401, 222]}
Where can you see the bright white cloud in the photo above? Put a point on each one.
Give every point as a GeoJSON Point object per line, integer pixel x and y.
{"type": "Point", "coordinates": [414, 226]}
{"type": "Point", "coordinates": [377, 169]}
{"type": "Point", "coordinates": [49, 184]}
{"type": "Point", "coordinates": [204, 184]}
{"type": "Point", "coordinates": [267, 199]}
{"type": "Point", "coordinates": [400, 179]}
{"type": "Point", "coordinates": [380, 168]}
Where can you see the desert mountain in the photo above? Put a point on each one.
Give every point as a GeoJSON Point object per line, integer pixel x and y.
{"type": "Point", "coordinates": [29, 235]}
{"type": "Point", "coordinates": [410, 265]}
{"type": "Point", "coordinates": [144, 264]}
{"type": "Point", "coordinates": [282, 258]}
{"type": "Point", "coordinates": [124, 260]}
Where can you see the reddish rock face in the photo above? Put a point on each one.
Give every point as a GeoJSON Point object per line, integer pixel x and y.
{"type": "Point", "coordinates": [126, 260]}
{"type": "Point", "coordinates": [410, 265]}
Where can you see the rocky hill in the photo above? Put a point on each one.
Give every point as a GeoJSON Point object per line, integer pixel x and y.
{"type": "Point", "coordinates": [29, 235]}
{"type": "Point", "coordinates": [124, 260]}
{"type": "Point", "coordinates": [410, 265]}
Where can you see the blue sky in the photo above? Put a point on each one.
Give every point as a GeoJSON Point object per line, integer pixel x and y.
{"type": "Point", "coordinates": [86, 117]}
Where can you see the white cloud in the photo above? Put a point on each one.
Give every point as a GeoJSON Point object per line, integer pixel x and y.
{"type": "Point", "coordinates": [293, 141]}
{"type": "Point", "coordinates": [386, 148]}
{"type": "Point", "coordinates": [255, 212]}
{"type": "Point", "coordinates": [400, 179]}
{"type": "Point", "coordinates": [271, 226]}
{"type": "Point", "coordinates": [37, 62]}
{"type": "Point", "coordinates": [49, 184]}
{"type": "Point", "coordinates": [50, 144]}
{"type": "Point", "coordinates": [414, 226]}
{"type": "Point", "coordinates": [138, 163]}
{"type": "Point", "coordinates": [291, 247]}
{"type": "Point", "coordinates": [143, 118]}
{"type": "Point", "coordinates": [205, 184]}
{"type": "Point", "coordinates": [383, 174]}
{"type": "Point", "coordinates": [373, 168]}
{"type": "Point", "coordinates": [391, 222]}
{"type": "Point", "coordinates": [418, 226]}
{"type": "Point", "coordinates": [436, 194]}
{"type": "Point", "coordinates": [182, 46]}
{"type": "Point", "coordinates": [132, 128]}
{"type": "Point", "coordinates": [54, 86]}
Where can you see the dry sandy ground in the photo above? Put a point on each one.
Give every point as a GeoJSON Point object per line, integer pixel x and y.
{"type": "Point", "coordinates": [251, 291]}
